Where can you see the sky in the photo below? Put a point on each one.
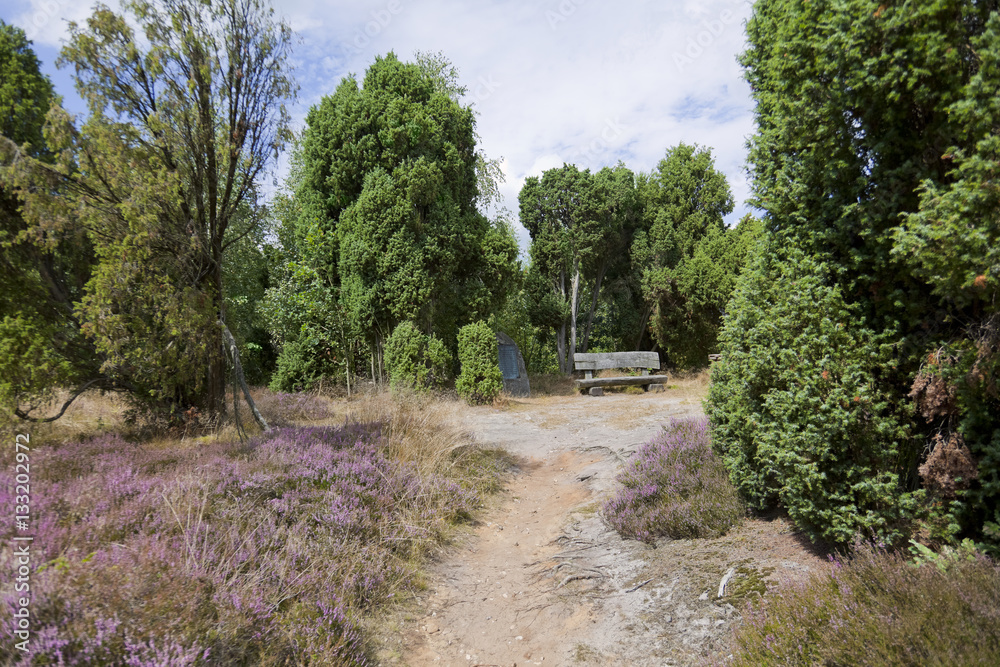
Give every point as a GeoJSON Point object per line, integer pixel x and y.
{"type": "Point", "coordinates": [584, 82]}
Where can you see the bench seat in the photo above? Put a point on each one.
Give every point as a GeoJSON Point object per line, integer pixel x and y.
{"type": "Point", "coordinates": [625, 380]}
{"type": "Point", "coordinates": [588, 362]}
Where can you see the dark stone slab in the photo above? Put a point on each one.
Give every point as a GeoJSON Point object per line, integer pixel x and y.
{"type": "Point", "coordinates": [515, 374]}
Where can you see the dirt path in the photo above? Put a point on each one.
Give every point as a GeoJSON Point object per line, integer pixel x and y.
{"type": "Point", "coordinates": [543, 581]}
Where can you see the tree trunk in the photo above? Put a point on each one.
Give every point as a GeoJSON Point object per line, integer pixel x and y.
{"type": "Point", "coordinates": [234, 354]}
{"type": "Point", "coordinates": [642, 329]}
{"type": "Point", "coordinates": [593, 307]}
{"type": "Point", "coordinates": [574, 308]}
{"type": "Point", "coordinates": [213, 402]}
{"type": "Point", "coordinates": [561, 349]}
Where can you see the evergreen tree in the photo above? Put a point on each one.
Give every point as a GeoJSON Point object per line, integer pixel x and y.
{"type": "Point", "coordinates": [44, 271]}
{"type": "Point", "coordinates": [388, 196]}
{"type": "Point", "coordinates": [684, 202]}
{"type": "Point", "coordinates": [874, 131]}
{"type": "Point", "coordinates": [186, 113]}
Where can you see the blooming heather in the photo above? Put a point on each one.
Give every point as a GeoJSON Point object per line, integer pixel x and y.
{"type": "Point", "coordinates": [266, 552]}
{"type": "Point", "coordinates": [674, 486]}
{"type": "Point", "coordinates": [875, 608]}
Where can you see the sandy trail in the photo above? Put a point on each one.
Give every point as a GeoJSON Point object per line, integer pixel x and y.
{"type": "Point", "coordinates": [543, 581]}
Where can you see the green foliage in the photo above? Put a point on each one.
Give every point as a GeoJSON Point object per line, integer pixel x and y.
{"type": "Point", "coordinates": [524, 319]}
{"type": "Point", "coordinates": [169, 174]}
{"type": "Point", "coordinates": [952, 243]}
{"type": "Point", "coordinates": [43, 273]}
{"type": "Point", "coordinates": [31, 366]}
{"type": "Point", "coordinates": [301, 309]}
{"type": "Point", "coordinates": [415, 360]}
{"type": "Point", "coordinates": [683, 199]}
{"type": "Point", "coordinates": [388, 198]}
{"type": "Point", "coordinates": [25, 93]}
{"type": "Point", "coordinates": [687, 258]}
{"type": "Point", "coordinates": [580, 226]}
{"type": "Point", "coordinates": [798, 407]}
{"type": "Point", "coordinates": [690, 299]}
{"type": "Point", "coordinates": [480, 380]}
{"type": "Point", "coordinates": [873, 159]}
{"type": "Point", "coordinates": [246, 279]}
{"type": "Point", "coordinates": [948, 557]}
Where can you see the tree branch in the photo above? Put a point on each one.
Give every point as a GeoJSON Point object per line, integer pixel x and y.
{"type": "Point", "coordinates": [234, 354]}
{"type": "Point", "coordinates": [24, 416]}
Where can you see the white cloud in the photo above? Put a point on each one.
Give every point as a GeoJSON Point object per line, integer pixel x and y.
{"type": "Point", "coordinates": [558, 80]}
{"type": "Point", "coordinates": [46, 21]}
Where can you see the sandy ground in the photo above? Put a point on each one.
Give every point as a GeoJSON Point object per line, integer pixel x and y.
{"type": "Point", "coordinates": [541, 580]}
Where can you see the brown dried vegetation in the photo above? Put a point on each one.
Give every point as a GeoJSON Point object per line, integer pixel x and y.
{"type": "Point", "coordinates": [935, 398]}
{"type": "Point", "coordinates": [950, 466]}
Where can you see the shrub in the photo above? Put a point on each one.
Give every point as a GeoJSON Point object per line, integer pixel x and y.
{"type": "Point", "coordinates": [480, 380]}
{"type": "Point", "coordinates": [675, 486]}
{"type": "Point", "coordinates": [415, 360]}
{"type": "Point", "coordinates": [877, 609]}
{"type": "Point", "coordinates": [302, 363]}
{"type": "Point", "coordinates": [800, 411]}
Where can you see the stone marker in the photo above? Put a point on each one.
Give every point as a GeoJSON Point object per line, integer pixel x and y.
{"type": "Point", "coordinates": [515, 374]}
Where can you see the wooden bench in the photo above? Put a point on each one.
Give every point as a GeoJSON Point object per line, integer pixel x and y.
{"type": "Point", "coordinates": [588, 362]}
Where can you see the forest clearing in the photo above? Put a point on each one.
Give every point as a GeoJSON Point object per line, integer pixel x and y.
{"type": "Point", "coordinates": [532, 571]}
{"type": "Point", "coordinates": [294, 327]}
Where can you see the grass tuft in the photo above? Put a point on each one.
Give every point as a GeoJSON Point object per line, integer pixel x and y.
{"type": "Point", "coordinates": [878, 609]}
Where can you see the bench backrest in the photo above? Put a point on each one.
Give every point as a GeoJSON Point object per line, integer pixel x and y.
{"type": "Point", "coordinates": [595, 361]}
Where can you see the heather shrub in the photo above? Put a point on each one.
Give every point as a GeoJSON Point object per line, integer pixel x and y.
{"type": "Point", "coordinates": [272, 551]}
{"type": "Point", "coordinates": [878, 609]}
{"type": "Point", "coordinates": [799, 408]}
{"type": "Point", "coordinates": [480, 380]}
{"type": "Point", "coordinates": [415, 360]}
{"type": "Point", "coordinates": [674, 486]}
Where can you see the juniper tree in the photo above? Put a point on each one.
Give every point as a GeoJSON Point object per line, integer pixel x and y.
{"type": "Point", "coordinates": [186, 113]}
{"type": "Point", "coordinates": [873, 160]}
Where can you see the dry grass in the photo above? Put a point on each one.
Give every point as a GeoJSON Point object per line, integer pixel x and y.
{"type": "Point", "coordinates": [627, 416]}
{"type": "Point", "coordinates": [875, 608]}
{"type": "Point", "coordinates": [420, 426]}
{"type": "Point", "coordinates": [551, 385]}
{"type": "Point", "coordinates": [692, 387]}
{"type": "Point", "coordinates": [92, 413]}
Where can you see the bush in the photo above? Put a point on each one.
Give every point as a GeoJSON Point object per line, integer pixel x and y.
{"type": "Point", "coordinates": [480, 381]}
{"type": "Point", "coordinates": [415, 360]}
{"type": "Point", "coordinates": [877, 609]}
{"type": "Point", "coordinates": [800, 409]}
{"type": "Point", "coordinates": [675, 486]}
{"type": "Point", "coordinates": [301, 364]}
